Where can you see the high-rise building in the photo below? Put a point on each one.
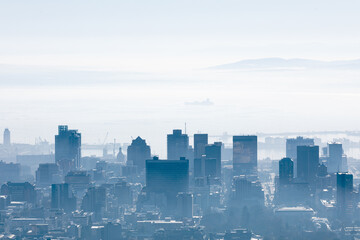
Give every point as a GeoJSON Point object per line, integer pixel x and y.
{"type": "Point", "coordinates": [6, 141]}
{"type": "Point", "coordinates": [344, 194]}
{"type": "Point", "coordinates": [167, 176]}
{"type": "Point", "coordinates": [293, 143]}
{"type": "Point", "coordinates": [213, 151]}
{"type": "Point", "coordinates": [205, 167]}
{"type": "Point", "coordinates": [244, 154]}
{"type": "Point", "coordinates": [67, 149]}
{"type": "Point", "coordinates": [177, 145]}
{"type": "Point", "coordinates": [200, 142]}
{"type": "Point", "coordinates": [62, 197]}
{"type": "Point", "coordinates": [334, 159]}
{"type": "Point", "coordinates": [286, 170]}
{"type": "Point", "coordinates": [307, 163]}
{"type": "Point", "coordinates": [137, 153]}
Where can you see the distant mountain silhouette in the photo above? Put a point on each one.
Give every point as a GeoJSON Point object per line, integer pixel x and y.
{"type": "Point", "coordinates": [287, 64]}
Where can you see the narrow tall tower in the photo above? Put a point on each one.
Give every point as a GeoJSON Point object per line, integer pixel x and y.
{"type": "Point", "coordinates": [6, 141]}
{"type": "Point", "coordinates": [68, 149]}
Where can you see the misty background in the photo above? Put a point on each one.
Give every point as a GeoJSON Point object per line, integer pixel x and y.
{"type": "Point", "coordinates": [145, 67]}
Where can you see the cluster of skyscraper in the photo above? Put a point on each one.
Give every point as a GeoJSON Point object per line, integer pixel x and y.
{"type": "Point", "coordinates": [195, 188]}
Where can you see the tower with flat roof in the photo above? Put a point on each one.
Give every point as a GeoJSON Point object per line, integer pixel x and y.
{"type": "Point", "coordinates": [67, 148]}
{"type": "Point", "coordinates": [177, 145]}
{"type": "Point", "coordinates": [244, 154]}
{"type": "Point", "coordinates": [6, 140]}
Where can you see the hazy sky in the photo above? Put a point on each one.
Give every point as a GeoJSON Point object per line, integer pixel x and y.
{"type": "Point", "coordinates": [166, 35]}
{"type": "Point", "coordinates": [129, 67]}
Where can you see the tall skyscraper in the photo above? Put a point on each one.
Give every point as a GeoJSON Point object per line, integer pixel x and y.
{"type": "Point", "coordinates": [138, 152]}
{"type": "Point", "coordinates": [307, 163]}
{"type": "Point", "coordinates": [286, 170]}
{"type": "Point", "coordinates": [244, 154]}
{"type": "Point", "coordinates": [344, 194]}
{"type": "Point", "coordinates": [177, 145]}
{"type": "Point", "coordinates": [293, 143]}
{"type": "Point", "coordinates": [167, 176]}
{"type": "Point", "coordinates": [213, 151]}
{"type": "Point", "coordinates": [68, 149]}
{"type": "Point", "coordinates": [6, 141]}
{"type": "Point", "coordinates": [334, 159]}
{"type": "Point", "coordinates": [200, 142]}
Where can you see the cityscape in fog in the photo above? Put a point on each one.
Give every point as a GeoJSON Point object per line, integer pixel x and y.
{"type": "Point", "coordinates": [221, 187]}
{"type": "Point", "coordinates": [177, 120]}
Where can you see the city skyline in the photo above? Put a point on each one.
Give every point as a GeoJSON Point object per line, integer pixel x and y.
{"type": "Point", "coordinates": [173, 120]}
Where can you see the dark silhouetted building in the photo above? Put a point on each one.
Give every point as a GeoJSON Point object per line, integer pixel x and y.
{"type": "Point", "coordinates": [168, 177]}
{"type": "Point", "coordinates": [67, 149]}
{"type": "Point", "coordinates": [200, 142]}
{"type": "Point", "coordinates": [307, 163]}
{"type": "Point", "coordinates": [334, 159]}
{"type": "Point", "coordinates": [62, 197]}
{"type": "Point", "coordinates": [344, 195]}
{"type": "Point", "coordinates": [210, 167]}
{"type": "Point", "coordinates": [213, 151]}
{"type": "Point", "coordinates": [205, 167]}
{"type": "Point", "coordinates": [137, 153]}
{"type": "Point", "coordinates": [286, 170]}
{"type": "Point", "coordinates": [244, 154]}
{"type": "Point", "coordinates": [322, 170]}
{"type": "Point", "coordinates": [177, 145]}
{"type": "Point", "coordinates": [6, 140]}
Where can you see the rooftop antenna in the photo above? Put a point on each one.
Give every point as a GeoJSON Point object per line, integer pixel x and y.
{"type": "Point", "coordinates": [185, 127]}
